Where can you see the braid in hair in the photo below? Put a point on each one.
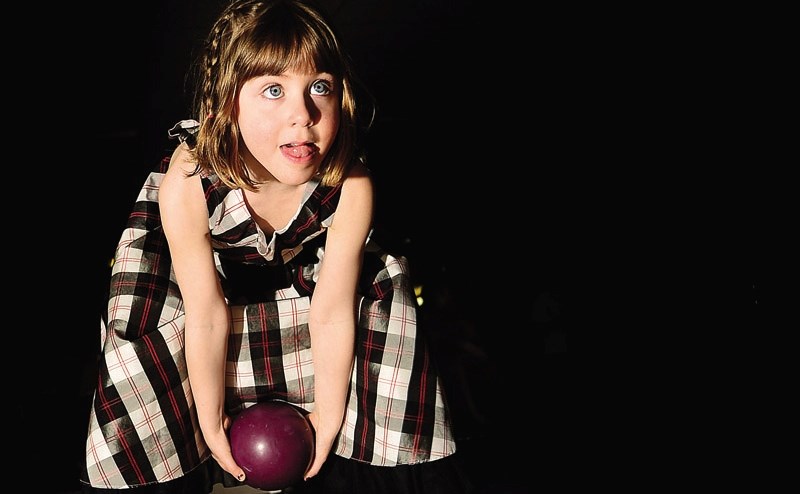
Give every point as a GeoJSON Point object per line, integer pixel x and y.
{"type": "Point", "coordinates": [218, 138]}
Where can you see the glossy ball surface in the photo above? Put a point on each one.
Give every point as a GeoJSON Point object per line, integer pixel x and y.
{"type": "Point", "coordinates": [273, 442]}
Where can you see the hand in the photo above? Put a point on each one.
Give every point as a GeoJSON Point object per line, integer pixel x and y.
{"type": "Point", "coordinates": [324, 438]}
{"type": "Point", "coordinates": [220, 447]}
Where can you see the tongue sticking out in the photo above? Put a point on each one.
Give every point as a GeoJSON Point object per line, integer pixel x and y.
{"type": "Point", "coordinates": [300, 151]}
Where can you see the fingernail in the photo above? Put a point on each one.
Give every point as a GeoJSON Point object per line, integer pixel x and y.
{"type": "Point", "coordinates": [240, 477]}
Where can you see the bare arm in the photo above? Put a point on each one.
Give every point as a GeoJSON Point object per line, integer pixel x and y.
{"type": "Point", "coordinates": [184, 217]}
{"type": "Point", "coordinates": [332, 320]}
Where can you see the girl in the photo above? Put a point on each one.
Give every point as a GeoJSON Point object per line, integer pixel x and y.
{"type": "Point", "coordinates": [247, 273]}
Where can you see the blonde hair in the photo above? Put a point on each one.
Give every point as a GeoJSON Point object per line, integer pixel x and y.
{"type": "Point", "coordinates": [253, 38]}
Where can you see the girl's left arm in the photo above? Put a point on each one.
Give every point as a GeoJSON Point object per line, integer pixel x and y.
{"type": "Point", "coordinates": [332, 320]}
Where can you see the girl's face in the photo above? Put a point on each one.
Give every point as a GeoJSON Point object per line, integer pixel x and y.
{"type": "Point", "coordinates": [288, 124]}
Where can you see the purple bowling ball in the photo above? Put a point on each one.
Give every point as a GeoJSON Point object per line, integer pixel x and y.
{"type": "Point", "coordinates": [273, 442]}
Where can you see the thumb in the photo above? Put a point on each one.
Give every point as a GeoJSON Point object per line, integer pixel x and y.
{"type": "Point", "coordinates": [221, 452]}
{"type": "Point", "coordinates": [227, 463]}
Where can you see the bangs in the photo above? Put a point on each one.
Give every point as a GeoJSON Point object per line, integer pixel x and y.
{"type": "Point", "coordinates": [289, 44]}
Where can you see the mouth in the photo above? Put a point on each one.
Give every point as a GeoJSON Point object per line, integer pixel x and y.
{"type": "Point", "coordinates": [299, 150]}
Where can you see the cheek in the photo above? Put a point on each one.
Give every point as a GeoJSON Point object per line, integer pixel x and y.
{"type": "Point", "coordinates": [333, 124]}
{"type": "Point", "coordinates": [331, 121]}
{"type": "Point", "coordinates": [248, 116]}
{"type": "Point", "coordinates": [256, 136]}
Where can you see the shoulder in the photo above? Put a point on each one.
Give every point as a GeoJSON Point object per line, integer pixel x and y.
{"type": "Point", "coordinates": [356, 201]}
{"type": "Point", "coordinates": [358, 181]}
{"type": "Point", "coordinates": [180, 178]}
{"type": "Point", "coordinates": [182, 160]}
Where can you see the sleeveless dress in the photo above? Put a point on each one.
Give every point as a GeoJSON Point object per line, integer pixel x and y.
{"type": "Point", "coordinates": [143, 426]}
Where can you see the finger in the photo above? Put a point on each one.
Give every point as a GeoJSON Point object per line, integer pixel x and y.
{"type": "Point", "coordinates": [221, 452]}
{"type": "Point", "coordinates": [229, 465]}
{"type": "Point", "coordinates": [321, 452]}
{"type": "Point", "coordinates": [314, 468]}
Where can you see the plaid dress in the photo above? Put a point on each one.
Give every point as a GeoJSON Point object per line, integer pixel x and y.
{"type": "Point", "coordinates": [143, 425]}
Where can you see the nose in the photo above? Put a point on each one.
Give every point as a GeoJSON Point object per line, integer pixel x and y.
{"type": "Point", "coordinates": [302, 112]}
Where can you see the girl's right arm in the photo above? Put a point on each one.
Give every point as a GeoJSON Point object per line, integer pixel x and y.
{"type": "Point", "coordinates": [184, 217]}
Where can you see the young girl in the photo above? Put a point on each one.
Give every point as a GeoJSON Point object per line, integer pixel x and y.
{"type": "Point", "coordinates": [247, 273]}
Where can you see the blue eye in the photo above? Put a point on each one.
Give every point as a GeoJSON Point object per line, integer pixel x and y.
{"type": "Point", "coordinates": [321, 87]}
{"type": "Point", "coordinates": [273, 92]}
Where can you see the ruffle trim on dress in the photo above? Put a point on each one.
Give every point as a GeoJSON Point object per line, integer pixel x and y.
{"type": "Point", "coordinates": [185, 131]}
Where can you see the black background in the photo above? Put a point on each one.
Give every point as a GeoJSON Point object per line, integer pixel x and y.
{"type": "Point", "coordinates": [539, 169]}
